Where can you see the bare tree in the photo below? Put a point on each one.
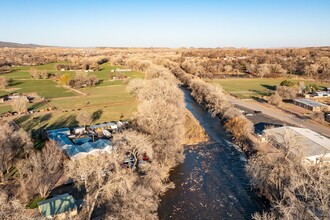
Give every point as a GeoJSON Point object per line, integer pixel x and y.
{"type": "Point", "coordinates": [34, 73]}
{"type": "Point", "coordinates": [93, 80]}
{"type": "Point", "coordinates": [275, 99]}
{"type": "Point", "coordinates": [287, 92]}
{"type": "Point", "coordinates": [41, 169]}
{"type": "Point", "coordinates": [102, 177]}
{"type": "Point", "coordinates": [292, 185]}
{"type": "Point", "coordinates": [161, 114]}
{"type": "Point", "coordinates": [13, 145]}
{"type": "Point", "coordinates": [263, 70]}
{"type": "Point", "coordinates": [312, 70]}
{"type": "Point", "coordinates": [84, 118]}
{"type": "Point", "coordinates": [11, 208]}
{"type": "Point", "coordinates": [19, 104]}
{"type": "Point", "coordinates": [3, 82]}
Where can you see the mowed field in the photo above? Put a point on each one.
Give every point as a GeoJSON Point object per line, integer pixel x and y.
{"type": "Point", "coordinates": [108, 101]}
{"type": "Point", "coordinates": [247, 88]}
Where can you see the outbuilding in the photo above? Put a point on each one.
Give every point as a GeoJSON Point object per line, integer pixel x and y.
{"type": "Point", "coordinates": [311, 105]}
{"type": "Point", "coordinates": [60, 207]}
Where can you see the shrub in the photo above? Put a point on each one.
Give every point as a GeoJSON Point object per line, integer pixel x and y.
{"type": "Point", "coordinates": [287, 83]}
{"type": "Point", "coordinates": [275, 99]}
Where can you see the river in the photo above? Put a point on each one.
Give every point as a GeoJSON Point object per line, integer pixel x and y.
{"type": "Point", "coordinates": [211, 183]}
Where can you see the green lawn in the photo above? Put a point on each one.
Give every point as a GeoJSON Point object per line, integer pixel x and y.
{"type": "Point", "coordinates": [45, 88]}
{"type": "Point", "coordinates": [4, 108]}
{"type": "Point", "coordinates": [22, 72]}
{"type": "Point", "coordinates": [33, 203]}
{"type": "Point", "coordinates": [109, 100]}
{"type": "Point", "coordinates": [97, 96]}
{"type": "Point", "coordinates": [59, 119]}
{"type": "Point", "coordinates": [105, 71]}
{"type": "Point", "coordinates": [257, 87]}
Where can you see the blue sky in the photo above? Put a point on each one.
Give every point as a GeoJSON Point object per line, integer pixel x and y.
{"type": "Point", "coordinates": [208, 23]}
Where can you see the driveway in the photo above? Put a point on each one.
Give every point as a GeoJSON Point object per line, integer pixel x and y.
{"type": "Point", "coordinates": [272, 111]}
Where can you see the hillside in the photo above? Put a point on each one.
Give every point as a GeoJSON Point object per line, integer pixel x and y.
{"type": "Point", "coordinates": [18, 45]}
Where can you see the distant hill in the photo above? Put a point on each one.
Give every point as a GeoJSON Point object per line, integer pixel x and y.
{"type": "Point", "coordinates": [18, 45]}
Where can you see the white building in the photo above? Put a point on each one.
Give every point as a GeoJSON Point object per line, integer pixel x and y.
{"type": "Point", "coordinates": [78, 147]}
{"type": "Point", "coordinates": [321, 94]}
{"type": "Point", "coordinates": [304, 142]}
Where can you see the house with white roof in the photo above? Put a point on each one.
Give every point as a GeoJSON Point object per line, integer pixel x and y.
{"type": "Point", "coordinates": [78, 147]}
{"type": "Point", "coordinates": [313, 146]}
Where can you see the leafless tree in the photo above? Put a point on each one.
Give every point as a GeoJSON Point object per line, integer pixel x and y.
{"type": "Point", "coordinates": [160, 114]}
{"type": "Point", "coordinates": [11, 208]}
{"type": "Point", "coordinates": [275, 99]}
{"type": "Point", "coordinates": [19, 104]}
{"type": "Point", "coordinates": [292, 185]}
{"type": "Point", "coordinates": [93, 80]}
{"type": "Point", "coordinates": [84, 118]}
{"type": "Point", "coordinates": [101, 176]}
{"type": "Point", "coordinates": [287, 92]}
{"type": "Point", "coordinates": [3, 82]}
{"type": "Point", "coordinates": [40, 169]}
{"type": "Point", "coordinates": [13, 145]}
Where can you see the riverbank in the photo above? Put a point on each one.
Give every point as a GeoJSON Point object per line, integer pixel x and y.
{"type": "Point", "coordinates": [211, 183]}
{"type": "Point", "coordinates": [194, 132]}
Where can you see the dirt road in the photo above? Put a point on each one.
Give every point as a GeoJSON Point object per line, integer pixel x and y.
{"type": "Point", "coordinates": [281, 115]}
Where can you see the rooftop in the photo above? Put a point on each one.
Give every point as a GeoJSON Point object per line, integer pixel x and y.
{"type": "Point", "coordinates": [57, 205]}
{"type": "Point", "coordinates": [309, 142]}
{"type": "Point", "coordinates": [310, 102]}
{"type": "Point", "coordinates": [78, 146]}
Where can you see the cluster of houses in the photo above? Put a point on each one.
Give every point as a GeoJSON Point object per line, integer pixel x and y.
{"type": "Point", "coordinates": [81, 141]}
{"type": "Point", "coordinates": [76, 143]}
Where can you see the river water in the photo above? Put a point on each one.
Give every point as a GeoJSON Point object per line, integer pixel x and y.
{"type": "Point", "coordinates": [211, 183]}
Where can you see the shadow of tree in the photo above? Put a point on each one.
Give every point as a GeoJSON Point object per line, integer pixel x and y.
{"type": "Point", "coordinates": [261, 93]}
{"type": "Point", "coordinates": [99, 82]}
{"type": "Point", "coordinates": [36, 106]}
{"type": "Point", "coordinates": [97, 115]}
{"type": "Point", "coordinates": [14, 83]}
{"type": "Point", "coordinates": [270, 87]}
{"type": "Point", "coordinates": [261, 126]}
{"type": "Point", "coordinates": [66, 121]}
{"type": "Point", "coordinates": [23, 119]}
{"type": "Point", "coordinates": [45, 117]}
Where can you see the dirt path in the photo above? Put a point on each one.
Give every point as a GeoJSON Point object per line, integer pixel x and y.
{"type": "Point", "coordinates": [75, 90]}
{"type": "Point", "coordinates": [281, 115]}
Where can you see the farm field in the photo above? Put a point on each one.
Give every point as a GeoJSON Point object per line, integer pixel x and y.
{"type": "Point", "coordinates": [109, 100]}
{"type": "Point", "coordinates": [244, 88]}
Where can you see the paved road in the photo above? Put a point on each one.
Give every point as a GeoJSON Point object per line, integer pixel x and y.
{"type": "Point", "coordinates": [281, 115]}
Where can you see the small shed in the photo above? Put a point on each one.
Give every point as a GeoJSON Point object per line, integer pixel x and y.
{"type": "Point", "coordinates": [59, 207]}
